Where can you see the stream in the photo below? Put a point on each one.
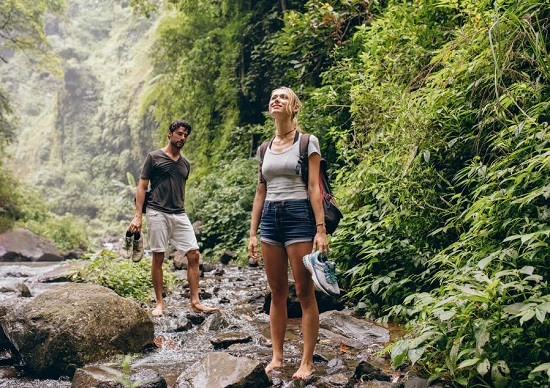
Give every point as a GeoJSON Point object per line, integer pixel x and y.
{"type": "Point", "coordinates": [183, 337]}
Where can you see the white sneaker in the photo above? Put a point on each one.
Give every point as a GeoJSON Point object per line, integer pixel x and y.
{"type": "Point", "coordinates": [323, 273]}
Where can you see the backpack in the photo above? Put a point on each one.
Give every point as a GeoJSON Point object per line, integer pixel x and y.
{"type": "Point", "coordinates": [333, 215]}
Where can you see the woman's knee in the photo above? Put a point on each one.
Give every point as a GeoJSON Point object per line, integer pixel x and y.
{"type": "Point", "coordinates": [279, 294]}
{"type": "Point", "coordinates": [305, 294]}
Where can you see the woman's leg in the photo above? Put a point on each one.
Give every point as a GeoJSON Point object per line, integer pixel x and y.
{"type": "Point", "coordinates": [276, 269]}
{"type": "Point", "coordinates": [310, 312]}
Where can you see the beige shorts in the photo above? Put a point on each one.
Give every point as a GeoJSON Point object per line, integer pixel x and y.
{"type": "Point", "coordinates": [176, 229]}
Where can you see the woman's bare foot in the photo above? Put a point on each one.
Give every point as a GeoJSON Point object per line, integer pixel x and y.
{"type": "Point", "coordinates": [200, 308]}
{"type": "Point", "coordinates": [303, 373]}
{"type": "Point", "coordinates": [273, 365]}
{"type": "Point", "coordinates": [158, 311]}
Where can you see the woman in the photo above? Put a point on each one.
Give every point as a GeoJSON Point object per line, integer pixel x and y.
{"type": "Point", "coordinates": [292, 225]}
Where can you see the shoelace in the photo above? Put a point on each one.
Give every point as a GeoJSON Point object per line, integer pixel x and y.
{"type": "Point", "coordinates": [330, 273]}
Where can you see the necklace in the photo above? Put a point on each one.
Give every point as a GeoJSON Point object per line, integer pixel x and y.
{"type": "Point", "coordinates": [284, 134]}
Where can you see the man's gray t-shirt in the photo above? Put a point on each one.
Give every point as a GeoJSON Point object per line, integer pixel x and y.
{"type": "Point", "coordinates": [279, 171]}
{"type": "Point", "coordinates": [168, 178]}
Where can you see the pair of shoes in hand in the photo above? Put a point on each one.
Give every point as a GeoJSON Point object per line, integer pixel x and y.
{"type": "Point", "coordinates": [323, 273]}
{"type": "Point", "coordinates": [132, 246]}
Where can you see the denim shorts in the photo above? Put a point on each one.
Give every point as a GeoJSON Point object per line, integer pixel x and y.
{"type": "Point", "coordinates": [287, 222]}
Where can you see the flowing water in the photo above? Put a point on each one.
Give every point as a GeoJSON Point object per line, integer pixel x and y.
{"type": "Point", "coordinates": [183, 337]}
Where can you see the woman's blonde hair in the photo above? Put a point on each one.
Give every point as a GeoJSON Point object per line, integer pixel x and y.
{"type": "Point", "coordinates": [294, 104]}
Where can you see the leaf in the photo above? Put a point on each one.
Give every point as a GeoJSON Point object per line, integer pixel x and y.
{"type": "Point", "coordinates": [483, 367]}
{"type": "Point", "coordinates": [527, 316]}
{"type": "Point", "coordinates": [426, 155]}
{"type": "Point", "coordinates": [540, 313]}
{"type": "Point", "coordinates": [527, 270]}
{"type": "Point", "coordinates": [467, 363]}
{"type": "Point", "coordinates": [513, 309]}
{"type": "Point", "coordinates": [415, 354]}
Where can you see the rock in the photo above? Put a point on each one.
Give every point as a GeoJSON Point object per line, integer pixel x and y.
{"type": "Point", "coordinates": [342, 323]}
{"type": "Point", "coordinates": [23, 245]}
{"type": "Point", "coordinates": [73, 325]}
{"type": "Point", "coordinates": [366, 371]}
{"type": "Point", "coordinates": [227, 256]}
{"type": "Point", "coordinates": [62, 273]}
{"type": "Point", "coordinates": [24, 291]}
{"type": "Point", "coordinates": [215, 322]}
{"type": "Point", "coordinates": [294, 310]}
{"type": "Point", "coordinates": [220, 369]}
{"type": "Point", "coordinates": [180, 260]}
{"type": "Point", "coordinates": [224, 340]}
{"type": "Point", "coordinates": [109, 376]}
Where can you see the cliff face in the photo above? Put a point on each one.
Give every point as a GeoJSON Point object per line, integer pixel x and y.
{"type": "Point", "coordinates": [81, 132]}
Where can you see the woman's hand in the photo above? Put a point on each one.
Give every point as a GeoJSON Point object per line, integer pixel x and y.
{"type": "Point", "coordinates": [320, 242]}
{"type": "Point", "coordinates": [253, 251]}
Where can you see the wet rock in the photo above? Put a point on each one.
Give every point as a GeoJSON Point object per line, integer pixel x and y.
{"type": "Point", "coordinates": [196, 318]}
{"type": "Point", "coordinates": [214, 323]}
{"type": "Point", "coordinates": [294, 310]}
{"type": "Point", "coordinates": [375, 384]}
{"type": "Point", "coordinates": [180, 260]}
{"type": "Point", "coordinates": [227, 256]}
{"type": "Point", "coordinates": [223, 341]}
{"type": "Point", "coordinates": [23, 245]}
{"type": "Point", "coordinates": [220, 369]}
{"type": "Point", "coordinates": [183, 324]}
{"type": "Point", "coordinates": [336, 365]}
{"type": "Point", "coordinates": [342, 323]}
{"type": "Point", "coordinates": [24, 291]}
{"type": "Point", "coordinates": [336, 380]}
{"type": "Point", "coordinates": [367, 371]}
{"type": "Point", "coordinates": [111, 377]}
{"type": "Point", "coordinates": [73, 325]}
{"type": "Point", "coordinates": [62, 273]}
{"type": "Point", "coordinates": [74, 255]}
{"type": "Point", "coordinates": [208, 267]}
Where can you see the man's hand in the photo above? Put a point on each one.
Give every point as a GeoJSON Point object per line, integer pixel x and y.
{"type": "Point", "coordinates": [135, 225]}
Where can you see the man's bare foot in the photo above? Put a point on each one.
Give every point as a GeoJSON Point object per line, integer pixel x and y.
{"type": "Point", "coordinates": [200, 308]}
{"type": "Point", "coordinates": [158, 311]}
{"type": "Point", "coordinates": [303, 373]}
{"type": "Point", "coordinates": [273, 365]}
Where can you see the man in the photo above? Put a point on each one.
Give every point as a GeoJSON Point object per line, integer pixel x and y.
{"type": "Point", "coordinates": [168, 169]}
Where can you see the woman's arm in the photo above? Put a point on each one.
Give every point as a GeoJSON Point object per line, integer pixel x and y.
{"type": "Point", "coordinates": [320, 243]}
{"type": "Point", "coordinates": [257, 206]}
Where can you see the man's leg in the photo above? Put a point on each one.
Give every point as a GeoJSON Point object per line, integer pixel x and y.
{"type": "Point", "coordinates": [193, 273]}
{"type": "Point", "coordinates": [158, 284]}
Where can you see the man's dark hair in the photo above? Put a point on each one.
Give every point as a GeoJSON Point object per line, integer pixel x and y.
{"type": "Point", "coordinates": [179, 123]}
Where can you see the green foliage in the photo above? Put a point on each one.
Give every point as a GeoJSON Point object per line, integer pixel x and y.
{"type": "Point", "coordinates": [22, 28]}
{"type": "Point", "coordinates": [222, 203]}
{"type": "Point", "coordinates": [448, 221]}
{"type": "Point", "coordinates": [125, 277]}
{"type": "Point", "coordinates": [67, 232]}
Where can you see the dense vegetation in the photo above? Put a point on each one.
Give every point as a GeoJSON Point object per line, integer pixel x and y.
{"type": "Point", "coordinates": [434, 117]}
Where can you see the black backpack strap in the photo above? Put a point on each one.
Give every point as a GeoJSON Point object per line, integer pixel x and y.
{"type": "Point", "coordinates": [304, 158]}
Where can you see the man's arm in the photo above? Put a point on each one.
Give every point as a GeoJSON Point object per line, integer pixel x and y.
{"type": "Point", "coordinates": [135, 224]}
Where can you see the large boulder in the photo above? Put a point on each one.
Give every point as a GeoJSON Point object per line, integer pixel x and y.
{"type": "Point", "coordinates": [23, 245]}
{"type": "Point", "coordinates": [73, 325]}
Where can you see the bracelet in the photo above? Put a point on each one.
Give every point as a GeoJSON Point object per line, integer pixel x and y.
{"type": "Point", "coordinates": [320, 223]}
